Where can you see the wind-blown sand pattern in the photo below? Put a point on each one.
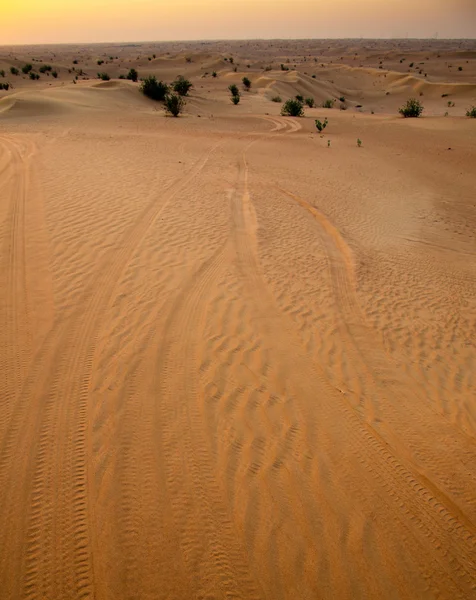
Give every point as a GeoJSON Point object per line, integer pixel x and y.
{"type": "Point", "coordinates": [234, 362]}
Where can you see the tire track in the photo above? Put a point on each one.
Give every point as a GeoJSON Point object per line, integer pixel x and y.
{"type": "Point", "coordinates": [57, 410]}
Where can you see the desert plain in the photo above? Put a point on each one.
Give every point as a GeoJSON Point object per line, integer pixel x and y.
{"type": "Point", "coordinates": [238, 357]}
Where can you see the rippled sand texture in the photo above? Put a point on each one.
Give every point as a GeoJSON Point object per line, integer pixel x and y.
{"type": "Point", "coordinates": [235, 362]}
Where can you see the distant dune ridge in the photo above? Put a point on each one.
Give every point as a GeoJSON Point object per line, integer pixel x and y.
{"type": "Point", "coordinates": [237, 356]}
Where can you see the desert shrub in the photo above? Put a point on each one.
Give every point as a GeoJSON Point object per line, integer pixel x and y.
{"type": "Point", "coordinates": [276, 99]}
{"type": "Point", "coordinates": [310, 102]}
{"type": "Point", "coordinates": [133, 75]}
{"type": "Point", "coordinates": [2, 73]}
{"type": "Point", "coordinates": [189, 59]}
{"type": "Point", "coordinates": [27, 68]}
{"type": "Point", "coordinates": [235, 98]}
{"type": "Point", "coordinates": [231, 59]}
{"type": "Point", "coordinates": [284, 68]}
{"type": "Point", "coordinates": [268, 68]}
{"type": "Point", "coordinates": [451, 104]}
{"type": "Point", "coordinates": [156, 90]}
{"type": "Point", "coordinates": [214, 74]}
{"type": "Point", "coordinates": [181, 85]}
{"type": "Point", "coordinates": [342, 98]}
{"type": "Point", "coordinates": [4, 86]}
{"type": "Point", "coordinates": [314, 77]}
{"type": "Point", "coordinates": [174, 104]}
{"type": "Point", "coordinates": [34, 75]}
{"type": "Point", "coordinates": [292, 108]}
{"type": "Point", "coordinates": [75, 62]}
{"type": "Point", "coordinates": [122, 76]}
{"type": "Point", "coordinates": [329, 103]}
{"type": "Point", "coordinates": [411, 65]}
{"type": "Point", "coordinates": [471, 112]}
{"type": "Point", "coordinates": [412, 108]}
{"type": "Point", "coordinates": [343, 106]}
{"type": "Point", "coordinates": [300, 98]}
{"type": "Point", "coordinates": [235, 69]}
{"type": "Point", "coordinates": [321, 125]}
{"type": "Point", "coordinates": [246, 83]}
{"type": "Point", "coordinates": [45, 68]}
{"type": "Point", "coordinates": [460, 68]}
{"type": "Point", "coordinates": [100, 62]}
{"type": "Point", "coordinates": [359, 142]}
{"type": "Point", "coordinates": [14, 71]}
{"type": "Point", "coordinates": [233, 90]}
{"type": "Point", "coordinates": [103, 76]}
{"type": "Point", "coordinates": [153, 56]}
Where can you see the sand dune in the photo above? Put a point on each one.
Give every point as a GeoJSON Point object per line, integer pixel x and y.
{"type": "Point", "coordinates": [236, 362]}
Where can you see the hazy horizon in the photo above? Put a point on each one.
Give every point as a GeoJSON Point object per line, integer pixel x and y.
{"type": "Point", "coordinates": [87, 21]}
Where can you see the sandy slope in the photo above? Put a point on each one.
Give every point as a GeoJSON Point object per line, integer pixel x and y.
{"type": "Point", "coordinates": [235, 363]}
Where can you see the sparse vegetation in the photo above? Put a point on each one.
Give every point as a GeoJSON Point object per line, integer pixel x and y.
{"type": "Point", "coordinates": [321, 125]}
{"type": "Point", "coordinates": [471, 112]}
{"type": "Point", "coordinates": [14, 71]}
{"type": "Point", "coordinates": [133, 75]}
{"type": "Point", "coordinates": [451, 104]}
{"type": "Point", "coordinates": [276, 99]}
{"type": "Point", "coordinates": [411, 109]}
{"type": "Point", "coordinates": [359, 142]}
{"type": "Point", "coordinates": [153, 89]}
{"type": "Point", "coordinates": [182, 86]}
{"type": "Point", "coordinates": [329, 103]}
{"type": "Point", "coordinates": [45, 68]}
{"type": "Point", "coordinates": [27, 68]}
{"type": "Point", "coordinates": [100, 62]}
{"type": "Point", "coordinates": [174, 104]}
{"type": "Point", "coordinates": [246, 83]}
{"type": "Point", "coordinates": [292, 108]}
{"type": "Point", "coordinates": [310, 102]}
{"type": "Point", "coordinates": [34, 75]}
{"type": "Point", "coordinates": [233, 90]}
{"type": "Point", "coordinates": [103, 76]}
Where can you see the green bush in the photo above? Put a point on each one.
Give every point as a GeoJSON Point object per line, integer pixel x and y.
{"type": "Point", "coordinates": [100, 62]}
{"type": "Point", "coordinates": [181, 86]}
{"type": "Point", "coordinates": [471, 112]}
{"type": "Point", "coordinates": [300, 98]}
{"type": "Point", "coordinates": [214, 74]}
{"type": "Point", "coordinates": [234, 90]}
{"type": "Point", "coordinates": [310, 102]}
{"type": "Point", "coordinates": [342, 98]}
{"type": "Point", "coordinates": [103, 76]}
{"type": "Point", "coordinates": [412, 108]}
{"type": "Point", "coordinates": [55, 74]}
{"type": "Point", "coordinates": [34, 75]}
{"type": "Point", "coordinates": [246, 83]}
{"type": "Point", "coordinates": [276, 99]}
{"type": "Point", "coordinates": [236, 98]}
{"type": "Point", "coordinates": [329, 103]}
{"type": "Point", "coordinates": [174, 104]}
{"type": "Point", "coordinates": [133, 75]}
{"type": "Point", "coordinates": [292, 108]}
{"type": "Point", "coordinates": [156, 90]}
{"type": "Point", "coordinates": [14, 71]}
{"type": "Point", "coordinates": [4, 86]}
{"type": "Point", "coordinates": [27, 68]}
{"type": "Point", "coordinates": [45, 68]}
{"type": "Point", "coordinates": [321, 125]}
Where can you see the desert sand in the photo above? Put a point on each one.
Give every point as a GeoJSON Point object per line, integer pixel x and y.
{"type": "Point", "coordinates": [236, 362]}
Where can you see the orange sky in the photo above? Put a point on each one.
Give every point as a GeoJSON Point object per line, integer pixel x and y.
{"type": "Point", "coordinates": [50, 21]}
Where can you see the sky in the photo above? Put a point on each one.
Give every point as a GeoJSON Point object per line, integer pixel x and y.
{"type": "Point", "coordinates": [72, 21]}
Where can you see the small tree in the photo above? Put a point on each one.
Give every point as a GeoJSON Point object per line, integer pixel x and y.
{"type": "Point", "coordinates": [133, 75]}
{"type": "Point", "coordinates": [246, 83]}
{"type": "Point", "coordinates": [310, 102]}
{"type": "Point", "coordinates": [174, 104]}
{"type": "Point", "coordinates": [182, 86]}
{"type": "Point", "coordinates": [292, 108]}
{"type": "Point", "coordinates": [412, 108]}
{"type": "Point", "coordinates": [321, 125]}
{"type": "Point", "coordinates": [329, 103]}
{"type": "Point", "coordinates": [471, 112]}
{"type": "Point", "coordinates": [234, 90]}
{"type": "Point", "coordinates": [156, 90]}
{"type": "Point", "coordinates": [236, 98]}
